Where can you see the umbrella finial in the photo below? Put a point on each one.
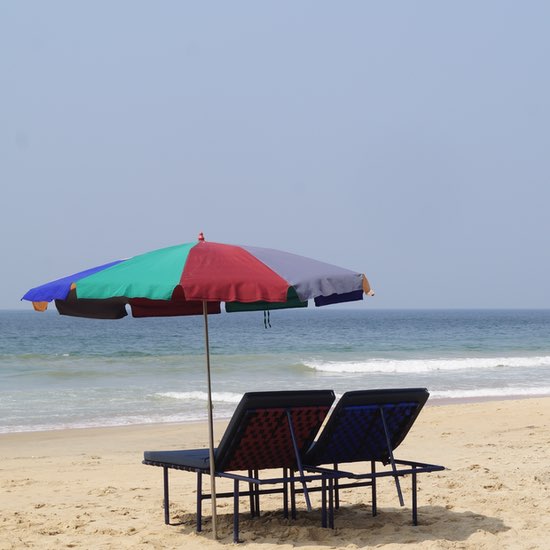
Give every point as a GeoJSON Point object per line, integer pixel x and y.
{"type": "Point", "coordinates": [201, 237]}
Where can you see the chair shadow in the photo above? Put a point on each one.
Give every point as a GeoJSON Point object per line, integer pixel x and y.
{"type": "Point", "coordinates": [353, 524]}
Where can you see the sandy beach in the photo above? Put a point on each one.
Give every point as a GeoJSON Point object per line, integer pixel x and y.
{"type": "Point", "coordinates": [87, 488]}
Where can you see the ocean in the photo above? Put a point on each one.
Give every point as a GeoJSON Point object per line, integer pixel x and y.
{"type": "Point", "coordinates": [61, 372]}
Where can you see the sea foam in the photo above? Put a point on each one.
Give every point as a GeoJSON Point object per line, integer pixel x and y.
{"type": "Point", "coordinates": [217, 397]}
{"type": "Point", "coordinates": [491, 392]}
{"type": "Point", "coordinates": [410, 366]}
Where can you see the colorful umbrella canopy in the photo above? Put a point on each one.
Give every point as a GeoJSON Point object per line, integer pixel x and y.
{"type": "Point", "coordinates": [193, 279]}
{"type": "Point", "coordinates": [176, 280]}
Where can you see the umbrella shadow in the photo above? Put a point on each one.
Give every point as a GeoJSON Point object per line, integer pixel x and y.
{"type": "Point", "coordinates": [353, 524]}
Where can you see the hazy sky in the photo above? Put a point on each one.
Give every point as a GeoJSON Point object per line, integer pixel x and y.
{"type": "Point", "coordinates": [408, 140]}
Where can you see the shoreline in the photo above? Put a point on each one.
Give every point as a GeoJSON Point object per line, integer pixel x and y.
{"type": "Point", "coordinates": [432, 402]}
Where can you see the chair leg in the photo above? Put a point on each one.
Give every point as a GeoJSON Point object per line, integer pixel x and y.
{"type": "Point", "coordinates": [257, 494]}
{"type": "Point", "coordinates": [236, 510]}
{"type": "Point", "coordinates": [336, 490]}
{"type": "Point", "coordinates": [323, 502]}
{"type": "Point", "coordinates": [199, 502]}
{"type": "Point", "coordinates": [292, 497]}
{"type": "Point", "coordinates": [373, 488]}
{"type": "Point", "coordinates": [252, 494]}
{"type": "Point", "coordinates": [331, 503]}
{"type": "Point", "coordinates": [285, 493]}
{"type": "Point", "coordinates": [166, 497]}
{"type": "Point", "coordinates": [414, 499]}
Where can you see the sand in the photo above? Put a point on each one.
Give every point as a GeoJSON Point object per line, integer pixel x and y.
{"type": "Point", "coordinates": [88, 489]}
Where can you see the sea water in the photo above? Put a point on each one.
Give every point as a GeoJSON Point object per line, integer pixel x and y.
{"type": "Point", "coordinates": [59, 372]}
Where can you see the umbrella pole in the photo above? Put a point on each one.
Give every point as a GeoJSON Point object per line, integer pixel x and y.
{"type": "Point", "coordinates": [210, 425]}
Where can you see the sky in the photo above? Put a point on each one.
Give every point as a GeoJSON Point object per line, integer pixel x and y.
{"type": "Point", "coordinates": [406, 140]}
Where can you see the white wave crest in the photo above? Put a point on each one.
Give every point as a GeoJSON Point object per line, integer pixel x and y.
{"type": "Point", "coordinates": [131, 420]}
{"type": "Point", "coordinates": [490, 392]}
{"type": "Point", "coordinates": [425, 365]}
{"type": "Point", "coordinates": [217, 397]}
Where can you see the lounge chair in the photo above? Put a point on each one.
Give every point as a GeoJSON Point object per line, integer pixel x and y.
{"type": "Point", "coordinates": [268, 430]}
{"type": "Point", "coordinates": [368, 426]}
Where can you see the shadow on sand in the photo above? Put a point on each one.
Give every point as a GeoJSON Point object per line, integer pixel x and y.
{"type": "Point", "coordinates": [353, 525]}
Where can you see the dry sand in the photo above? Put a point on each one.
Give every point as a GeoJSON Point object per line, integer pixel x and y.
{"type": "Point", "coordinates": [88, 489]}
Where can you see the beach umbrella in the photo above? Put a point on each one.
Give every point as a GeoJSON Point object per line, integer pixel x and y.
{"type": "Point", "coordinates": [194, 279]}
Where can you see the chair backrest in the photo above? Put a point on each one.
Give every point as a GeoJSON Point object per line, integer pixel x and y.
{"type": "Point", "coordinates": [258, 435]}
{"type": "Point", "coordinates": [355, 430]}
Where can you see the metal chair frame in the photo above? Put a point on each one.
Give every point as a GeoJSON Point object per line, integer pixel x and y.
{"type": "Point", "coordinates": [334, 476]}
{"type": "Point", "coordinates": [256, 485]}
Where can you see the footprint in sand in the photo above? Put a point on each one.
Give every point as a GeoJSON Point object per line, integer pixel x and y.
{"type": "Point", "coordinates": [103, 491]}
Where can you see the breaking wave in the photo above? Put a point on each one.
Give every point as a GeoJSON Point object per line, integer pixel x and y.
{"type": "Point", "coordinates": [217, 397]}
{"type": "Point", "coordinates": [425, 365]}
{"type": "Point", "coordinates": [490, 392]}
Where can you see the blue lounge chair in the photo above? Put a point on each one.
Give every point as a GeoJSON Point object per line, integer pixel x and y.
{"type": "Point", "coordinates": [268, 430]}
{"type": "Point", "coordinates": [367, 426]}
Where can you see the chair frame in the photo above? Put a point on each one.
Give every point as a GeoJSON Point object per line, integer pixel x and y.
{"type": "Point", "coordinates": [256, 485]}
{"type": "Point", "coordinates": [399, 468]}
